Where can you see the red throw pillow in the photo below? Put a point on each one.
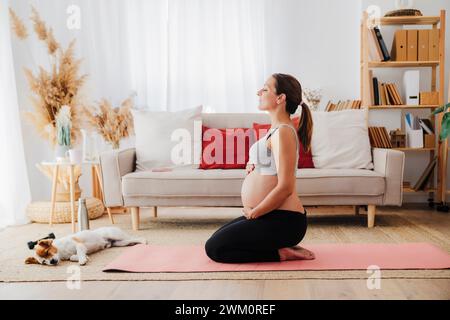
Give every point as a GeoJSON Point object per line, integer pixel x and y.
{"type": "Point", "coordinates": [230, 151]}
{"type": "Point", "coordinates": [304, 159]}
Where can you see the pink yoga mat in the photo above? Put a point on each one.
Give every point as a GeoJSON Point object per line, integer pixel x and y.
{"type": "Point", "coordinates": [148, 258]}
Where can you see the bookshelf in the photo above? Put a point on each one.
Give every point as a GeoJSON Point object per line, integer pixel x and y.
{"type": "Point", "coordinates": [437, 194]}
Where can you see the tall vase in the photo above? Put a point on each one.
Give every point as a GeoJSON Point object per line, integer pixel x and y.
{"type": "Point", "coordinates": [90, 146]}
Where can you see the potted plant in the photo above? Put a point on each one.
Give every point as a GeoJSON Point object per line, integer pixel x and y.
{"type": "Point", "coordinates": [445, 132]}
{"type": "Point", "coordinates": [445, 124]}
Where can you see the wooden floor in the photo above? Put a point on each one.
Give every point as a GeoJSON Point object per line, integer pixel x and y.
{"type": "Point", "coordinates": [436, 223]}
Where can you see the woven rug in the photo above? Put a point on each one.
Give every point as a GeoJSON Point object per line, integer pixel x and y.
{"type": "Point", "coordinates": [193, 226]}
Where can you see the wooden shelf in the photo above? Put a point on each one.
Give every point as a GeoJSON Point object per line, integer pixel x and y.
{"type": "Point", "coordinates": [403, 107]}
{"type": "Point", "coordinates": [411, 190]}
{"type": "Point", "coordinates": [402, 64]}
{"type": "Point", "coordinates": [386, 21]}
{"type": "Point", "coordinates": [437, 84]}
{"type": "Point", "coordinates": [414, 149]}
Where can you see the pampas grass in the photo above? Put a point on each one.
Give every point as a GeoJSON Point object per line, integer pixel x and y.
{"type": "Point", "coordinates": [113, 124]}
{"type": "Point", "coordinates": [54, 88]}
{"type": "Point", "coordinates": [17, 25]}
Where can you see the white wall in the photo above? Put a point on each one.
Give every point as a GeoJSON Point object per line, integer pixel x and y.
{"type": "Point", "coordinates": [317, 41]}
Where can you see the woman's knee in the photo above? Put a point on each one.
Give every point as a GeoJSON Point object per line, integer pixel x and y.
{"type": "Point", "coordinates": [213, 250]}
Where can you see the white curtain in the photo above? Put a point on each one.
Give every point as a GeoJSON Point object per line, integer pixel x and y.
{"type": "Point", "coordinates": [216, 53]}
{"type": "Point", "coordinates": [175, 54]}
{"type": "Point", "coordinates": [14, 186]}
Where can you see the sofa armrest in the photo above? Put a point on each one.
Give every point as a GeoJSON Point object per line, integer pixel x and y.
{"type": "Point", "coordinates": [390, 163]}
{"type": "Point", "coordinates": [114, 165]}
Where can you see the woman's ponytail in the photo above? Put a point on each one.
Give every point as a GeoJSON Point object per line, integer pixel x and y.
{"type": "Point", "coordinates": [305, 127]}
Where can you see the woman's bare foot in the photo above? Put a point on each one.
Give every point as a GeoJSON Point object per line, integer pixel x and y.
{"type": "Point", "coordinates": [295, 253]}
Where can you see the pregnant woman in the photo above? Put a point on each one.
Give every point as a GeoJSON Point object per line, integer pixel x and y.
{"type": "Point", "coordinates": [274, 220]}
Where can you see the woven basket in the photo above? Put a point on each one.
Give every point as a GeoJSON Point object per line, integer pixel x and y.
{"type": "Point", "coordinates": [40, 211]}
{"type": "Point", "coordinates": [403, 13]}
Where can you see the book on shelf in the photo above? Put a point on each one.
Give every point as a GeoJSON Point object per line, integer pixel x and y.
{"type": "Point", "coordinates": [427, 126]}
{"type": "Point", "coordinates": [379, 138]}
{"type": "Point", "coordinates": [385, 94]}
{"type": "Point", "coordinates": [382, 44]}
{"type": "Point", "coordinates": [426, 175]}
{"type": "Point", "coordinates": [376, 92]}
{"type": "Point", "coordinates": [343, 105]}
{"type": "Point", "coordinates": [374, 48]}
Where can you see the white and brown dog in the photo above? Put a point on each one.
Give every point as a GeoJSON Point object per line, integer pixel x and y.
{"type": "Point", "coordinates": [76, 247]}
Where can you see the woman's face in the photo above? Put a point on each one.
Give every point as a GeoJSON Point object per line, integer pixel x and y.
{"type": "Point", "coordinates": [268, 98]}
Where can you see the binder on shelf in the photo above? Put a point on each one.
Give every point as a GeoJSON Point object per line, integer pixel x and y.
{"type": "Point", "coordinates": [433, 53]}
{"type": "Point", "coordinates": [414, 133]}
{"type": "Point", "coordinates": [382, 44]}
{"type": "Point", "coordinates": [411, 83]}
{"type": "Point", "coordinates": [427, 126]}
{"type": "Point", "coordinates": [423, 45]}
{"type": "Point", "coordinates": [399, 45]}
{"type": "Point", "coordinates": [411, 52]}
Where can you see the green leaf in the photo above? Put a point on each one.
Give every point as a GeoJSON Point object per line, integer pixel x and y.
{"type": "Point", "coordinates": [445, 127]}
{"type": "Point", "coordinates": [442, 109]}
{"type": "Point", "coordinates": [439, 110]}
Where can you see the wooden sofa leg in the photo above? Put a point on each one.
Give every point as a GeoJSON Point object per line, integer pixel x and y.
{"type": "Point", "coordinates": [155, 212]}
{"type": "Point", "coordinates": [135, 218]}
{"type": "Point", "coordinates": [372, 209]}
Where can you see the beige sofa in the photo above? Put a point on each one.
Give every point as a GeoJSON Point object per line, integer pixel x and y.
{"type": "Point", "coordinates": [123, 187]}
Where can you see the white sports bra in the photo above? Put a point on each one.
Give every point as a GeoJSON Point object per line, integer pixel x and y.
{"type": "Point", "coordinates": [262, 157]}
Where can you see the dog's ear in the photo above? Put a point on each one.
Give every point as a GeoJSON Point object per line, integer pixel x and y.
{"type": "Point", "coordinates": [45, 243]}
{"type": "Point", "coordinates": [31, 260]}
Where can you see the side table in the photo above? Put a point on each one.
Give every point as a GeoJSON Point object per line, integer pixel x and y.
{"type": "Point", "coordinates": [97, 187]}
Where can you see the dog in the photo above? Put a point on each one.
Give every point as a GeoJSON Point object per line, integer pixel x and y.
{"type": "Point", "coordinates": [76, 247]}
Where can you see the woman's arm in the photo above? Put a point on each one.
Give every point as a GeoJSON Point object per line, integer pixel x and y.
{"type": "Point", "coordinates": [284, 148]}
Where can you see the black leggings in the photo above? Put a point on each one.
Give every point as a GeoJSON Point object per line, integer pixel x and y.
{"type": "Point", "coordinates": [257, 240]}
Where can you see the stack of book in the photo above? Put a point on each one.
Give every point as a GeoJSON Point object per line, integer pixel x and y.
{"type": "Point", "coordinates": [426, 175]}
{"type": "Point", "coordinates": [379, 138]}
{"type": "Point", "coordinates": [385, 94]}
{"type": "Point", "coordinates": [343, 105]}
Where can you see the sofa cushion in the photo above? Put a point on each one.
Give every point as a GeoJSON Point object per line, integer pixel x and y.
{"type": "Point", "coordinates": [167, 139]}
{"type": "Point", "coordinates": [225, 148]}
{"type": "Point", "coordinates": [223, 183]}
{"type": "Point", "coordinates": [340, 140]}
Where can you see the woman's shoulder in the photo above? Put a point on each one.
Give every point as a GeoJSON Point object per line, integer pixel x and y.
{"type": "Point", "coordinates": [285, 132]}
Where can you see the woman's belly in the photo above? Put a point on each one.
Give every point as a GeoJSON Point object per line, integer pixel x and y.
{"type": "Point", "coordinates": [256, 187]}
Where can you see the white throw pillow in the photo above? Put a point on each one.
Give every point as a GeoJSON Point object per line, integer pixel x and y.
{"type": "Point", "coordinates": [168, 139]}
{"type": "Point", "coordinates": [340, 140]}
